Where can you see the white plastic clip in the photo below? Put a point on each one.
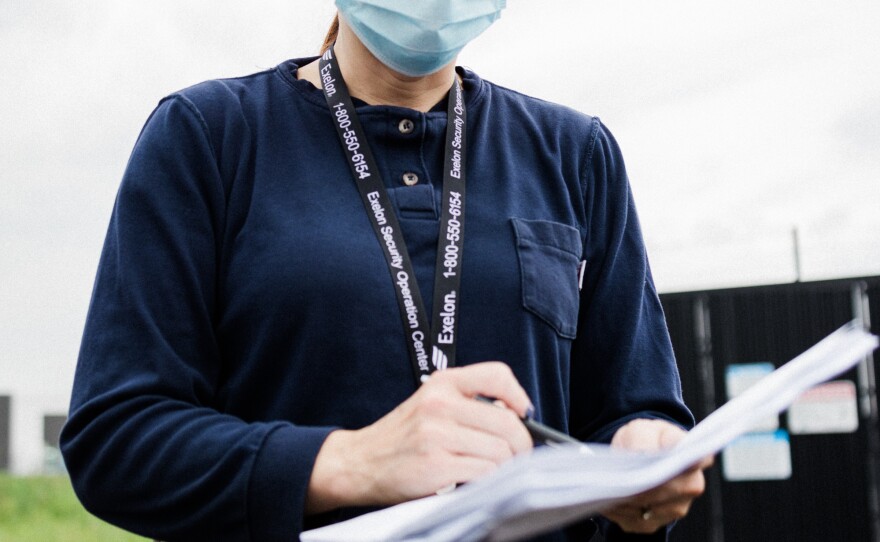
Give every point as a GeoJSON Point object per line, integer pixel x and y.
{"type": "Point", "coordinates": [582, 270]}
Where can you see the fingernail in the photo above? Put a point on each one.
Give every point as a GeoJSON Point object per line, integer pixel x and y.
{"type": "Point", "coordinates": [530, 412]}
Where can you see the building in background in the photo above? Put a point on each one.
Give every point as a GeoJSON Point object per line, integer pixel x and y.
{"type": "Point", "coordinates": [30, 423]}
{"type": "Point", "coordinates": [5, 418]}
{"type": "Point", "coordinates": [53, 463]}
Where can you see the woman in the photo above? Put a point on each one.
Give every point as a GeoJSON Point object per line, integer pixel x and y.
{"type": "Point", "coordinates": [253, 366]}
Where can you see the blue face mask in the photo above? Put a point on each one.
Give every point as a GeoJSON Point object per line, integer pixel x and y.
{"type": "Point", "coordinates": [418, 37]}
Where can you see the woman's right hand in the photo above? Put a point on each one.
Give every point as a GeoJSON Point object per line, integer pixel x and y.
{"type": "Point", "coordinates": [438, 437]}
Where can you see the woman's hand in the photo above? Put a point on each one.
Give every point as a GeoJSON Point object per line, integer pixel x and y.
{"type": "Point", "coordinates": [438, 437]}
{"type": "Point", "coordinates": [647, 512]}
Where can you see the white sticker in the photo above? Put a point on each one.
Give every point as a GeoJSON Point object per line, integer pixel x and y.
{"type": "Point", "coordinates": [827, 408]}
{"type": "Point", "coordinates": [758, 456]}
{"type": "Point", "coordinates": [741, 376]}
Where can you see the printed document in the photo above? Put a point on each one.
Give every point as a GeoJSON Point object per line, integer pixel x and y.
{"type": "Point", "coordinates": [553, 487]}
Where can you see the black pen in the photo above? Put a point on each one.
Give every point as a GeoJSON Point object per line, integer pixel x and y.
{"type": "Point", "coordinates": [542, 434]}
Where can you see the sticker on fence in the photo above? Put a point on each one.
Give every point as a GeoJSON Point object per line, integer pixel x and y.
{"type": "Point", "coordinates": [758, 456]}
{"type": "Point", "coordinates": [741, 376]}
{"type": "Point", "coordinates": [827, 408]}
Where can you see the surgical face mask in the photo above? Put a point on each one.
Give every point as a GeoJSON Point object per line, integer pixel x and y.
{"type": "Point", "coordinates": [418, 37]}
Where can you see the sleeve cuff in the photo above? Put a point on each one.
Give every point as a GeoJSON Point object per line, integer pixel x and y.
{"type": "Point", "coordinates": [280, 480]}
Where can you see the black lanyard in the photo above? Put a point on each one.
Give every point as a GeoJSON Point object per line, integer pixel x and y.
{"type": "Point", "coordinates": [432, 350]}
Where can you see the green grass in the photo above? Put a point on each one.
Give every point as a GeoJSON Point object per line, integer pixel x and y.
{"type": "Point", "coordinates": [44, 508]}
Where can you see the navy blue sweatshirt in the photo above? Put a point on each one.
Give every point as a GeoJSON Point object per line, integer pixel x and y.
{"type": "Point", "coordinates": [243, 309]}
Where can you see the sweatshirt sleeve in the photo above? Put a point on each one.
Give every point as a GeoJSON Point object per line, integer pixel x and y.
{"type": "Point", "coordinates": [146, 446]}
{"type": "Point", "coordinates": [623, 366]}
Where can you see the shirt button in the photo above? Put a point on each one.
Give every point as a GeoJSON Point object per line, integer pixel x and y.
{"type": "Point", "coordinates": [410, 178]}
{"type": "Point", "coordinates": [406, 126]}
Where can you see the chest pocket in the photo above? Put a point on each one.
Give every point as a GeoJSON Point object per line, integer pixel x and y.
{"type": "Point", "coordinates": [549, 255]}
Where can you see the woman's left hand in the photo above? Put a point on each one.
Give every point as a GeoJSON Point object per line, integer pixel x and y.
{"type": "Point", "coordinates": [647, 512]}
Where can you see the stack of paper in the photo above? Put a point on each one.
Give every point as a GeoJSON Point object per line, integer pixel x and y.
{"type": "Point", "coordinates": [553, 487]}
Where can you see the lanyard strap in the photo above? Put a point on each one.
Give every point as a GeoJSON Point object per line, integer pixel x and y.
{"type": "Point", "coordinates": [428, 351]}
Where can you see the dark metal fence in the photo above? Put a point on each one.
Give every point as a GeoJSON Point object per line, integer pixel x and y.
{"type": "Point", "coordinates": [832, 491]}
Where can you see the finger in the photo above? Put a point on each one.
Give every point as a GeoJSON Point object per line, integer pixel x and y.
{"type": "Point", "coordinates": [647, 435]}
{"type": "Point", "coordinates": [661, 513]}
{"type": "Point", "coordinates": [670, 435]}
{"type": "Point", "coordinates": [491, 379]}
{"type": "Point", "coordinates": [647, 519]}
{"type": "Point", "coordinates": [460, 469]}
{"type": "Point", "coordinates": [465, 441]}
{"type": "Point", "coordinates": [689, 484]}
{"type": "Point", "coordinates": [633, 521]}
{"type": "Point", "coordinates": [500, 422]}
{"type": "Point", "coordinates": [438, 401]}
{"type": "Point", "coordinates": [705, 463]}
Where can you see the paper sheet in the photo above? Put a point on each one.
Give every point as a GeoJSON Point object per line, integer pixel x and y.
{"type": "Point", "coordinates": [553, 487]}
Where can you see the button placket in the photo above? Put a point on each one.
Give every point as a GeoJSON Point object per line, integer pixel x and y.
{"type": "Point", "coordinates": [407, 127]}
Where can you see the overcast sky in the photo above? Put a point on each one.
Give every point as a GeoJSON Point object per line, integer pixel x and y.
{"type": "Point", "coordinates": [738, 121]}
